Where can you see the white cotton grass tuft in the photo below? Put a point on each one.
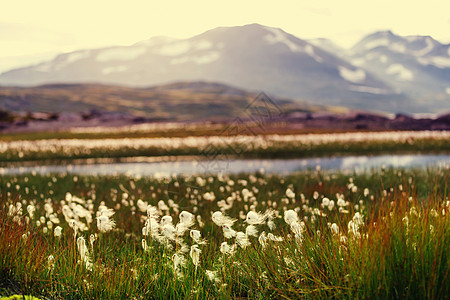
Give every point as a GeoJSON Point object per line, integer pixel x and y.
{"type": "Point", "coordinates": [144, 245]}
{"type": "Point", "coordinates": [358, 219]}
{"type": "Point", "coordinates": [84, 253]}
{"type": "Point", "coordinates": [184, 248]}
{"type": "Point", "coordinates": [179, 262]}
{"type": "Point", "coordinates": [290, 216]}
{"type": "Point", "coordinates": [162, 206]}
{"type": "Point", "coordinates": [166, 220]}
{"type": "Point", "coordinates": [271, 224]}
{"type": "Point", "coordinates": [200, 221]}
{"type": "Point", "coordinates": [91, 241]}
{"type": "Point", "coordinates": [105, 211]}
{"type": "Point", "coordinates": [270, 215]}
{"type": "Point", "coordinates": [152, 212]}
{"type": "Point", "coordinates": [181, 228]}
{"type": "Point", "coordinates": [54, 219]}
{"type": "Point", "coordinates": [262, 239]}
{"type": "Point", "coordinates": [57, 232]}
{"type": "Point", "coordinates": [251, 230]}
{"type": "Point", "coordinates": [228, 232]}
{"type": "Point", "coordinates": [274, 238]}
{"type": "Point", "coordinates": [334, 228]}
{"type": "Point", "coordinates": [31, 209]}
{"type": "Point", "coordinates": [220, 219]}
{"type": "Point", "coordinates": [227, 249]}
{"type": "Point", "coordinates": [297, 227]}
{"type": "Point", "coordinates": [197, 237]}
{"type": "Point", "coordinates": [290, 193]}
{"type": "Point", "coordinates": [168, 231]}
{"type": "Point", "coordinates": [353, 229]}
{"type": "Point", "coordinates": [195, 255]}
{"type": "Point", "coordinates": [212, 276]}
{"type": "Point", "coordinates": [142, 206]}
{"type": "Point", "coordinates": [327, 203]}
{"type": "Point", "coordinates": [242, 240]}
{"type": "Point", "coordinates": [82, 248]}
{"type": "Point", "coordinates": [331, 205]}
{"type": "Point", "coordinates": [254, 218]}
{"type": "Point", "coordinates": [105, 224]}
{"type": "Point", "coordinates": [51, 262]}
{"type": "Point", "coordinates": [187, 219]}
{"type": "Point", "coordinates": [355, 224]}
{"type": "Point", "coordinates": [74, 226]}
{"type": "Point", "coordinates": [81, 212]}
{"type": "Point", "coordinates": [151, 228]}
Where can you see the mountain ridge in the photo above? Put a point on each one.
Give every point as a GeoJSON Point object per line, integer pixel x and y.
{"type": "Point", "coordinates": [258, 57]}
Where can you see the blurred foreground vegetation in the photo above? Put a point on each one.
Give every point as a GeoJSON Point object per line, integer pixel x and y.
{"type": "Point", "coordinates": [384, 234]}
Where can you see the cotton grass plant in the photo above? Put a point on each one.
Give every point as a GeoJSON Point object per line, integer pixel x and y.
{"type": "Point", "coordinates": [381, 235]}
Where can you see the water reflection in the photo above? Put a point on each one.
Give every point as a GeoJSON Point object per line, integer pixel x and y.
{"type": "Point", "coordinates": [280, 166]}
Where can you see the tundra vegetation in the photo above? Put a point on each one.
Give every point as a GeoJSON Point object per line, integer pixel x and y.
{"type": "Point", "coordinates": [384, 233]}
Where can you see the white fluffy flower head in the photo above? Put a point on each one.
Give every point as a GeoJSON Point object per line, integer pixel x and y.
{"type": "Point", "coordinates": [104, 224]}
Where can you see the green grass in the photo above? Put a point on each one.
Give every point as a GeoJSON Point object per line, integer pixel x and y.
{"type": "Point", "coordinates": [399, 251]}
{"type": "Point", "coordinates": [62, 150]}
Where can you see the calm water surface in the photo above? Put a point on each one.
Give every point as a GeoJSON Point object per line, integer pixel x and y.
{"type": "Point", "coordinates": [197, 166]}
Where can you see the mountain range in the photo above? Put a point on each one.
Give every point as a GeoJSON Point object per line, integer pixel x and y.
{"type": "Point", "coordinates": [383, 72]}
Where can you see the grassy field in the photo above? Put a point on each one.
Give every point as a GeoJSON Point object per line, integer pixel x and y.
{"type": "Point", "coordinates": [384, 234]}
{"type": "Point", "coordinates": [244, 146]}
{"type": "Point", "coordinates": [177, 130]}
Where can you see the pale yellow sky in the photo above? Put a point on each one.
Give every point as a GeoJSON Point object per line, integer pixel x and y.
{"type": "Point", "coordinates": [35, 27]}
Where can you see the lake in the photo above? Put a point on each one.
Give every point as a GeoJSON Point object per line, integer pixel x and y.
{"type": "Point", "coordinates": [190, 166]}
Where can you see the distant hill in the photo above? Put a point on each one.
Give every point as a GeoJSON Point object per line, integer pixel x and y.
{"type": "Point", "coordinates": [182, 101]}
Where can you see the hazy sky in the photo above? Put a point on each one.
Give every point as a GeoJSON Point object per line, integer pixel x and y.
{"type": "Point", "coordinates": [37, 27]}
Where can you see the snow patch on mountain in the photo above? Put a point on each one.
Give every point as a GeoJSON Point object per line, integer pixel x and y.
{"type": "Point", "coordinates": [310, 51]}
{"type": "Point", "coordinates": [368, 89]}
{"type": "Point", "coordinates": [61, 61]}
{"type": "Point", "coordinates": [437, 61]}
{"type": "Point", "coordinates": [203, 45]}
{"type": "Point", "coordinates": [156, 40]}
{"type": "Point", "coordinates": [114, 69]}
{"type": "Point", "coordinates": [199, 59]}
{"type": "Point", "coordinates": [208, 58]}
{"type": "Point", "coordinates": [182, 47]}
{"type": "Point", "coordinates": [356, 76]}
{"type": "Point", "coordinates": [401, 72]}
{"type": "Point", "coordinates": [174, 49]}
{"type": "Point", "coordinates": [447, 90]}
{"type": "Point", "coordinates": [44, 67]}
{"type": "Point", "coordinates": [372, 56]}
{"type": "Point", "coordinates": [412, 38]}
{"type": "Point", "coordinates": [376, 43]}
{"type": "Point", "coordinates": [398, 47]}
{"type": "Point", "coordinates": [427, 49]}
{"type": "Point", "coordinates": [358, 62]}
{"type": "Point", "coordinates": [383, 59]}
{"type": "Point", "coordinates": [73, 57]}
{"type": "Point", "coordinates": [278, 36]}
{"type": "Point", "coordinates": [123, 53]}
